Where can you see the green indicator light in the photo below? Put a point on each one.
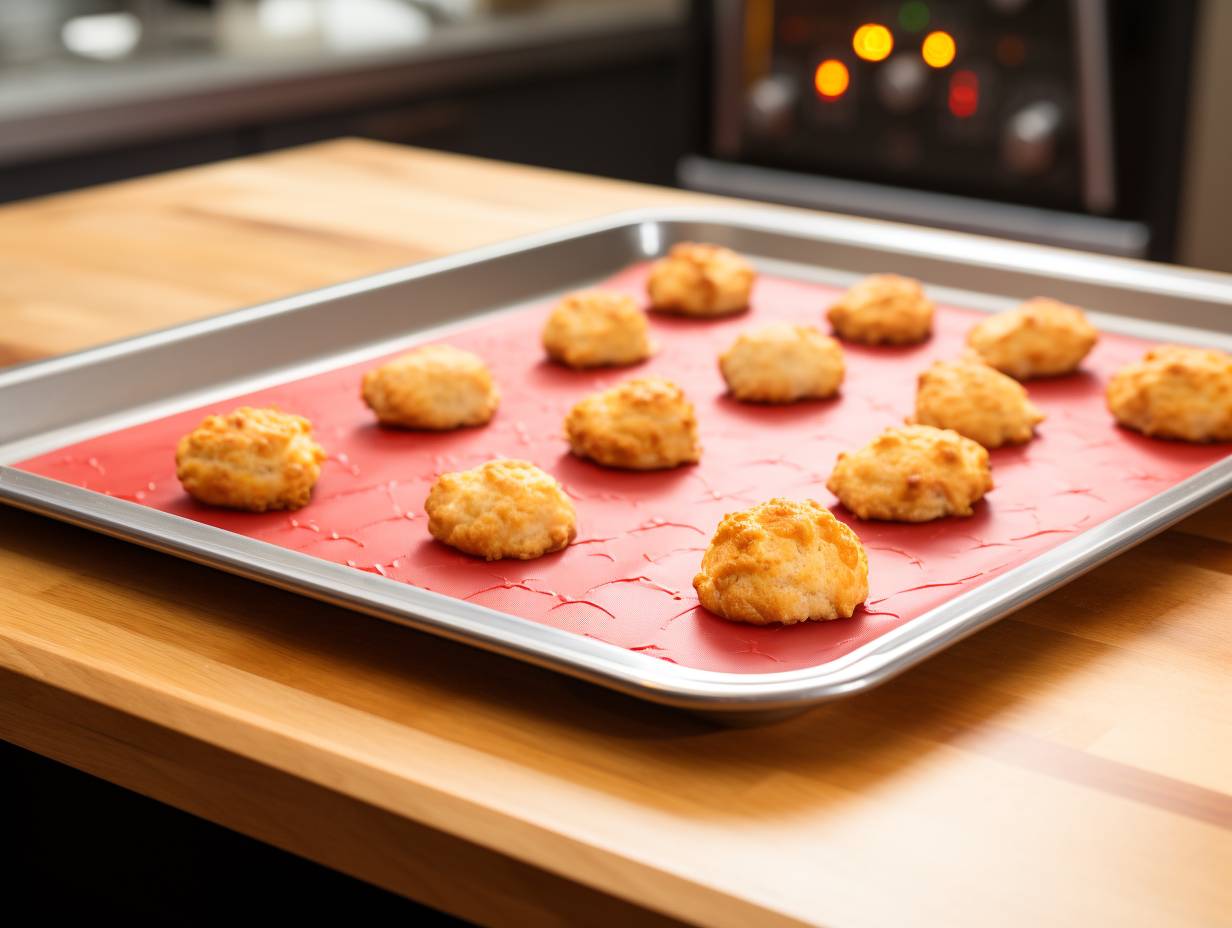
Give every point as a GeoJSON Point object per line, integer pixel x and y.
{"type": "Point", "coordinates": [913, 15]}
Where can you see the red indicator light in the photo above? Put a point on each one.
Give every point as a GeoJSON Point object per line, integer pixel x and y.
{"type": "Point", "coordinates": [964, 97]}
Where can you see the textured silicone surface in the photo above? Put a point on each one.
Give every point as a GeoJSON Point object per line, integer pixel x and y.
{"type": "Point", "coordinates": [627, 579]}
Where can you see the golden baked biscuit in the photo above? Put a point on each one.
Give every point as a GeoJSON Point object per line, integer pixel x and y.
{"type": "Point", "coordinates": [783, 561]}
{"type": "Point", "coordinates": [914, 473]}
{"type": "Point", "coordinates": [597, 328]}
{"type": "Point", "coordinates": [642, 424]}
{"type": "Point", "coordinates": [504, 508]}
{"type": "Point", "coordinates": [782, 363]}
{"type": "Point", "coordinates": [975, 400]}
{"type": "Point", "coordinates": [254, 459]}
{"type": "Point", "coordinates": [1175, 392]}
{"type": "Point", "coordinates": [433, 387]}
{"type": "Point", "coordinates": [700, 280]}
{"type": "Point", "coordinates": [884, 309]}
{"type": "Point", "coordinates": [1040, 338]}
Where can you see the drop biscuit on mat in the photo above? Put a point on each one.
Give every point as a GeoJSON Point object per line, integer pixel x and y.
{"type": "Point", "coordinates": [977, 401]}
{"type": "Point", "coordinates": [642, 424]}
{"type": "Point", "coordinates": [1040, 338]}
{"type": "Point", "coordinates": [253, 459]}
{"type": "Point", "coordinates": [436, 387]}
{"type": "Point", "coordinates": [913, 473]}
{"type": "Point", "coordinates": [783, 561]}
{"type": "Point", "coordinates": [700, 280]}
{"type": "Point", "coordinates": [597, 328]}
{"type": "Point", "coordinates": [1175, 392]}
{"type": "Point", "coordinates": [502, 509]}
{"type": "Point", "coordinates": [782, 363]}
{"type": "Point", "coordinates": [884, 309]}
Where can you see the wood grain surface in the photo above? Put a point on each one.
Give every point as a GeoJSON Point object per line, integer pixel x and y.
{"type": "Point", "coordinates": [1071, 765]}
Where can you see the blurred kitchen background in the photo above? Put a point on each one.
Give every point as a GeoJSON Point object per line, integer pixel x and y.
{"type": "Point", "coordinates": [1097, 124]}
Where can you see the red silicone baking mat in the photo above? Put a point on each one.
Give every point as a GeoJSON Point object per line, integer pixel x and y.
{"type": "Point", "coordinates": [627, 578]}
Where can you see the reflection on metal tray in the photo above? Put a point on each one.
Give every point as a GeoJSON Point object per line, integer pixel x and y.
{"type": "Point", "coordinates": [714, 666]}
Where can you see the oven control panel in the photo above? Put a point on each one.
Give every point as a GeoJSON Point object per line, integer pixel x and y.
{"type": "Point", "coordinates": [1003, 99]}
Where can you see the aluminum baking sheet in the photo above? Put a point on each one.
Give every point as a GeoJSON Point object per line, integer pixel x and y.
{"type": "Point", "coordinates": [625, 583]}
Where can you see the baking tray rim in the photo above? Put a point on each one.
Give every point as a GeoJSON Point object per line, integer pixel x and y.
{"type": "Point", "coordinates": [938, 244]}
{"type": "Point", "coordinates": [598, 661]}
{"type": "Point", "coordinates": [607, 664]}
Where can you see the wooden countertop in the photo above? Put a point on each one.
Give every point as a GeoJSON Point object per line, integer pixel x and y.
{"type": "Point", "coordinates": [1070, 765]}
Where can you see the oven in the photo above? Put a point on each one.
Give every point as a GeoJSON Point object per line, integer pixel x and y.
{"type": "Point", "coordinates": [1053, 121]}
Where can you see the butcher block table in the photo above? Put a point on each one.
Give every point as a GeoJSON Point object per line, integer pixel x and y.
{"type": "Point", "coordinates": [1071, 765]}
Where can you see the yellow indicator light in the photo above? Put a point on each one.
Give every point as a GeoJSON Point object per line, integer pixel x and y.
{"type": "Point", "coordinates": [873, 42]}
{"type": "Point", "coordinates": [831, 79]}
{"type": "Point", "coordinates": [938, 49]}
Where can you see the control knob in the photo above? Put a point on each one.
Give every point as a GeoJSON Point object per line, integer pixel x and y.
{"type": "Point", "coordinates": [902, 83]}
{"type": "Point", "coordinates": [771, 104]}
{"type": "Point", "coordinates": [1029, 140]}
